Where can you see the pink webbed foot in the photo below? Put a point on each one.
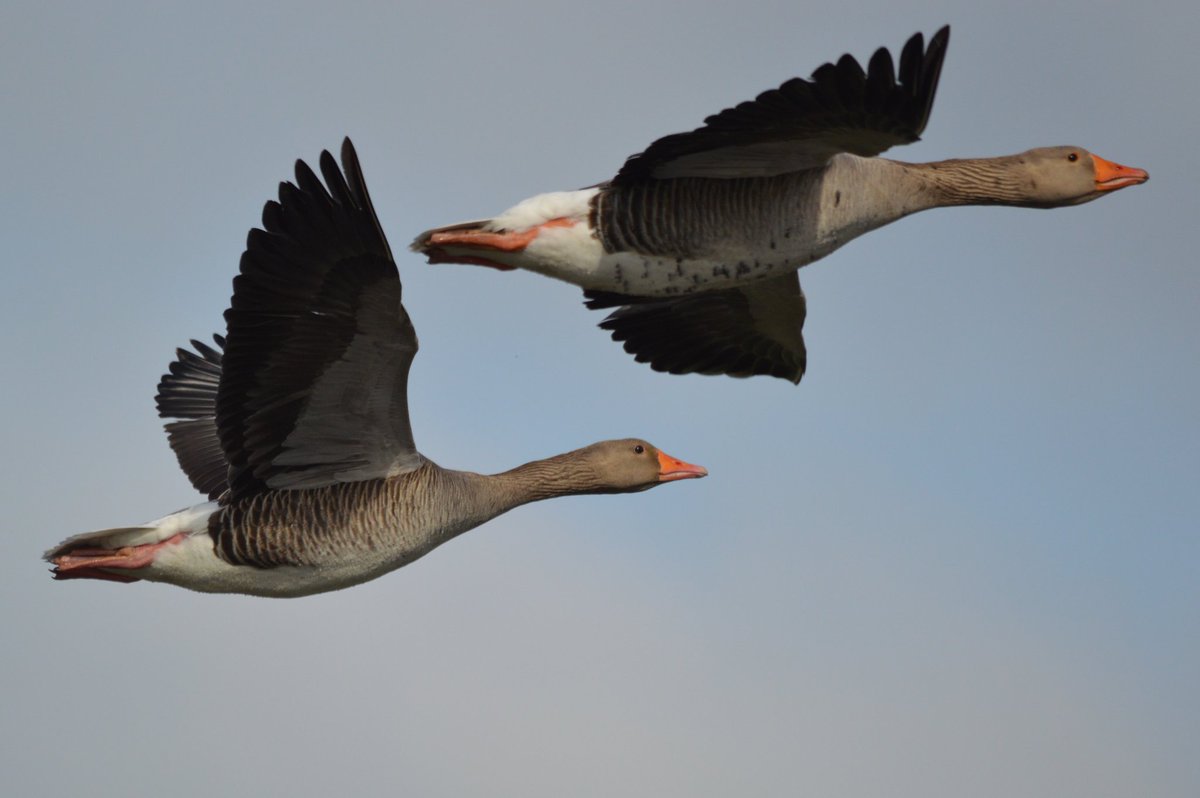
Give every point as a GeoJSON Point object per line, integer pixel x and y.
{"type": "Point", "coordinates": [483, 241]}
{"type": "Point", "coordinates": [95, 563]}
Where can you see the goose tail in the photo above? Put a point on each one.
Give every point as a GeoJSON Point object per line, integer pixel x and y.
{"type": "Point", "coordinates": [119, 554]}
{"type": "Point", "coordinates": [80, 556]}
{"type": "Point", "coordinates": [467, 242]}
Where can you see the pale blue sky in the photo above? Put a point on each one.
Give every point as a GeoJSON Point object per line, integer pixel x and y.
{"type": "Point", "coordinates": [961, 558]}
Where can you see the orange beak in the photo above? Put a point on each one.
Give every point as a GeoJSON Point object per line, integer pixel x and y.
{"type": "Point", "coordinates": [670, 469]}
{"type": "Point", "coordinates": [1111, 176]}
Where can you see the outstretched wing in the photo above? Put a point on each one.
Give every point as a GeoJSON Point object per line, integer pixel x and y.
{"type": "Point", "coordinates": [314, 389]}
{"type": "Point", "coordinates": [804, 123]}
{"type": "Point", "coordinates": [188, 393]}
{"type": "Point", "coordinates": [736, 331]}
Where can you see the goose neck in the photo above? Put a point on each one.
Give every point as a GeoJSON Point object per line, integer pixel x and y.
{"type": "Point", "coordinates": [561, 475]}
{"type": "Point", "coordinates": [974, 181]}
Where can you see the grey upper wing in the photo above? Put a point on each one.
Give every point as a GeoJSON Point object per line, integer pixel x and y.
{"type": "Point", "coordinates": [314, 389]}
{"type": "Point", "coordinates": [742, 332]}
{"type": "Point", "coordinates": [803, 123]}
{"type": "Point", "coordinates": [188, 393]}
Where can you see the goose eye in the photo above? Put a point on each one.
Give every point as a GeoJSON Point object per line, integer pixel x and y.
{"type": "Point", "coordinates": [639, 449]}
{"type": "Point", "coordinates": [1073, 157]}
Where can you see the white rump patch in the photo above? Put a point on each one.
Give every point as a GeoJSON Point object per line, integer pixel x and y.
{"type": "Point", "coordinates": [542, 208]}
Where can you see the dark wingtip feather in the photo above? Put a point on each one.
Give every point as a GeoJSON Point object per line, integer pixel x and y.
{"type": "Point", "coordinates": [307, 180]}
{"type": "Point", "coordinates": [357, 184]}
{"type": "Point", "coordinates": [892, 102]}
{"type": "Point", "coordinates": [935, 56]}
{"type": "Point", "coordinates": [189, 388]}
{"type": "Point", "coordinates": [351, 165]}
{"type": "Point", "coordinates": [349, 154]}
{"type": "Point", "coordinates": [188, 393]}
{"type": "Point", "coordinates": [911, 57]}
{"type": "Point", "coordinates": [334, 179]}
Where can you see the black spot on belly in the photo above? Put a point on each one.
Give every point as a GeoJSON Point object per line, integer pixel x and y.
{"type": "Point", "coordinates": [772, 244]}
{"type": "Point", "coordinates": [787, 233]}
{"type": "Point", "coordinates": [837, 198]}
{"type": "Point", "coordinates": [743, 268]}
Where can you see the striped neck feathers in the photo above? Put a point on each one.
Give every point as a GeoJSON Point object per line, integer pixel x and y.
{"type": "Point", "coordinates": [1018, 180]}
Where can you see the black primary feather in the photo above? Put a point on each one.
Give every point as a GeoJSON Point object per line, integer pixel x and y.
{"type": "Point", "coordinates": [188, 393]}
{"type": "Point", "coordinates": [889, 105]}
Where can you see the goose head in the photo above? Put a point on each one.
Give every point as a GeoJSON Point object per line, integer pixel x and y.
{"type": "Point", "coordinates": [632, 464]}
{"type": "Point", "coordinates": [1056, 176]}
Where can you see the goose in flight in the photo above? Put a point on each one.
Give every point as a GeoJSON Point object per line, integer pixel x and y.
{"type": "Point", "coordinates": [697, 240]}
{"type": "Point", "coordinates": [296, 425]}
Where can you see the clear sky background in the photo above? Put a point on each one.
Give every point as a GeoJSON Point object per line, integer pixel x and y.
{"type": "Point", "coordinates": [960, 559]}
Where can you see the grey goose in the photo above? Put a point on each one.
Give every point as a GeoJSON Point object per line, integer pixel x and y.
{"type": "Point", "coordinates": [296, 424]}
{"type": "Point", "coordinates": [697, 240]}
